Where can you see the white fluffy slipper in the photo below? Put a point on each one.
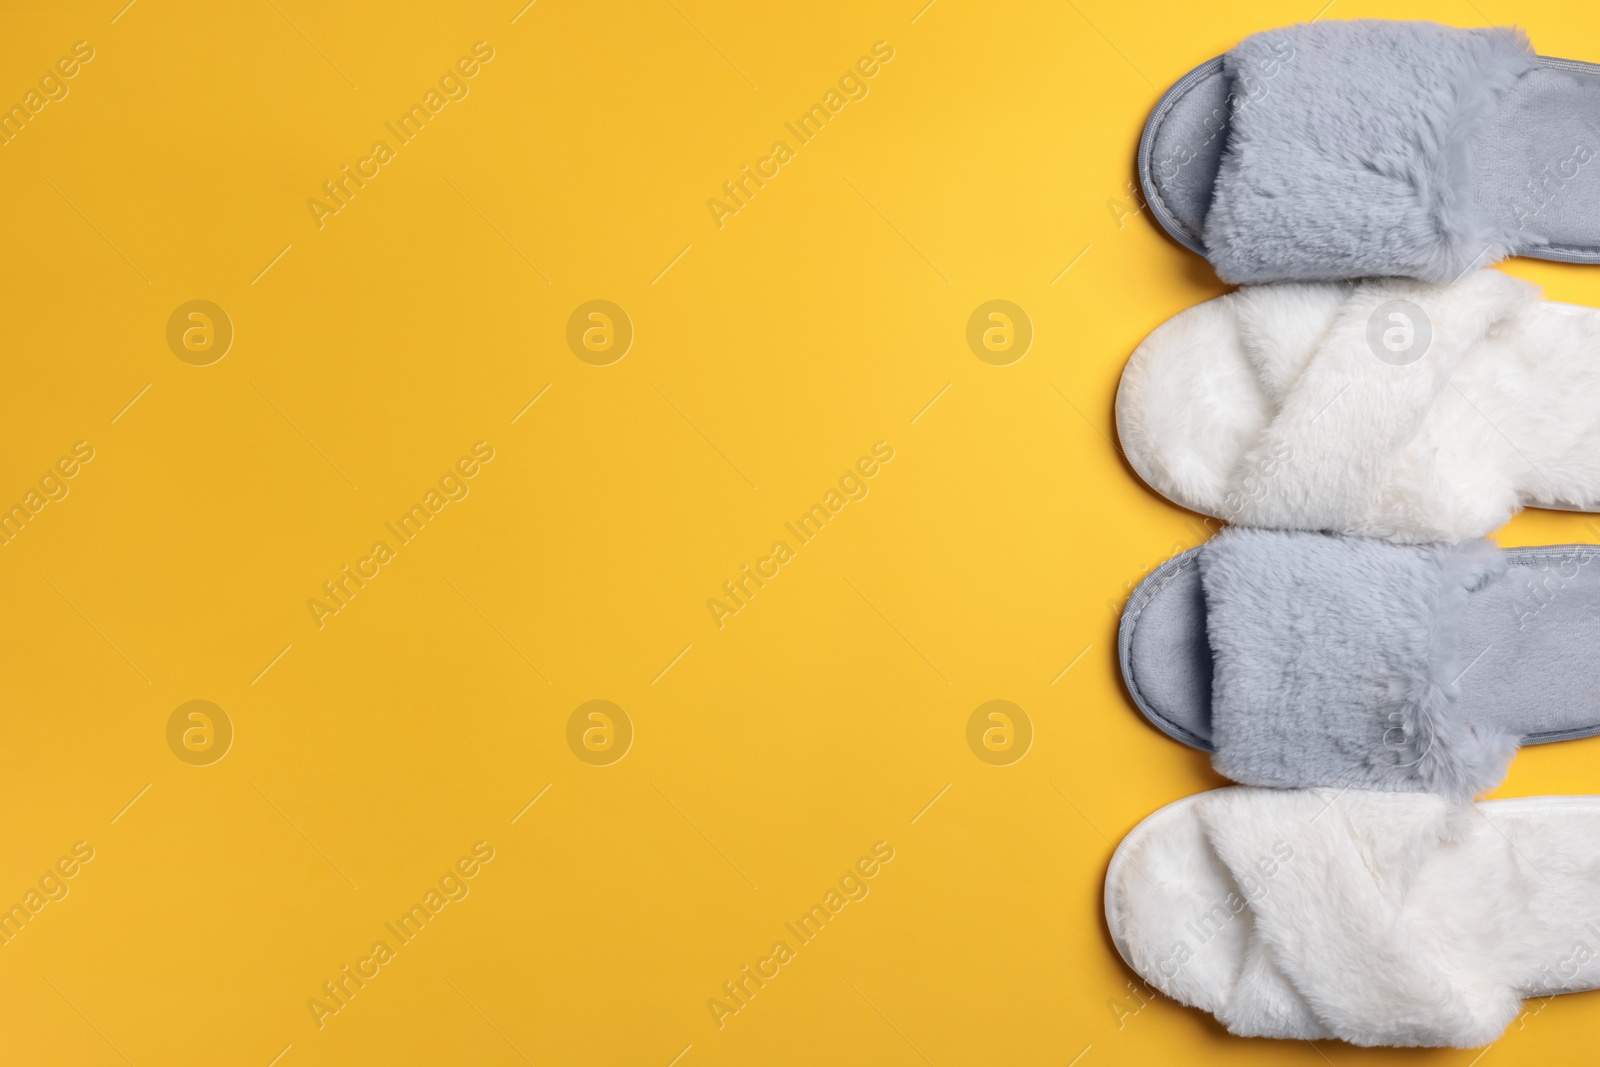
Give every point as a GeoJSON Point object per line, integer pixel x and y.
{"type": "Point", "coordinates": [1386, 407]}
{"type": "Point", "coordinates": [1375, 918]}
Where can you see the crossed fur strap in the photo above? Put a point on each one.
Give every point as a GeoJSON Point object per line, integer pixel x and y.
{"type": "Point", "coordinates": [1354, 371]}
{"type": "Point", "coordinates": [1336, 659]}
{"type": "Point", "coordinates": [1350, 151]}
{"type": "Point", "coordinates": [1329, 953]}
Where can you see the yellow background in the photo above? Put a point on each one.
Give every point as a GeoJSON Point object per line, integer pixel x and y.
{"type": "Point", "coordinates": [992, 152]}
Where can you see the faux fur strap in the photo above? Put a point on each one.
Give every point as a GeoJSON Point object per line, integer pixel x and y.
{"type": "Point", "coordinates": [1331, 953]}
{"type": "Point", "coordinates": [1336, 661]}
{"type": "Point", "coordinates": [1350, 151]}
{"type": "Point", "coordinates": [1355, 370]}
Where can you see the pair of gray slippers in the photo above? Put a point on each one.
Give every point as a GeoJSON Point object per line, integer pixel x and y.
{"type": "Point", "coordinates": [1312, 155]}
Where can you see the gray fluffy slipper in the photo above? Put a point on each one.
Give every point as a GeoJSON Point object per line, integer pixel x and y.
{"type": "Point", "coordinates": [1307, 660]}
{"type": "Point", "coordinates": [1352, 149]}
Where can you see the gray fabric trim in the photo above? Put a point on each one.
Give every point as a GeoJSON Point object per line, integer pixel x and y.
{"type": "Point", "coordinates": [1175, 228]}
{"type": "Point", "coordinates": [1187, 563]}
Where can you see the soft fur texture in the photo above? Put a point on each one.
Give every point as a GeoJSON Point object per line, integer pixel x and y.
{"type": "Point", "coordinates": [1375, 918]}
{"type": "Point", "coordinates": [1268, 407]}
{"type": "Point", "coordinates": [1358, 160]}
{"type": "Point", "coordinates": [1527, 645]}
{"type": "Point", "coordinates": [1336, 661]}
